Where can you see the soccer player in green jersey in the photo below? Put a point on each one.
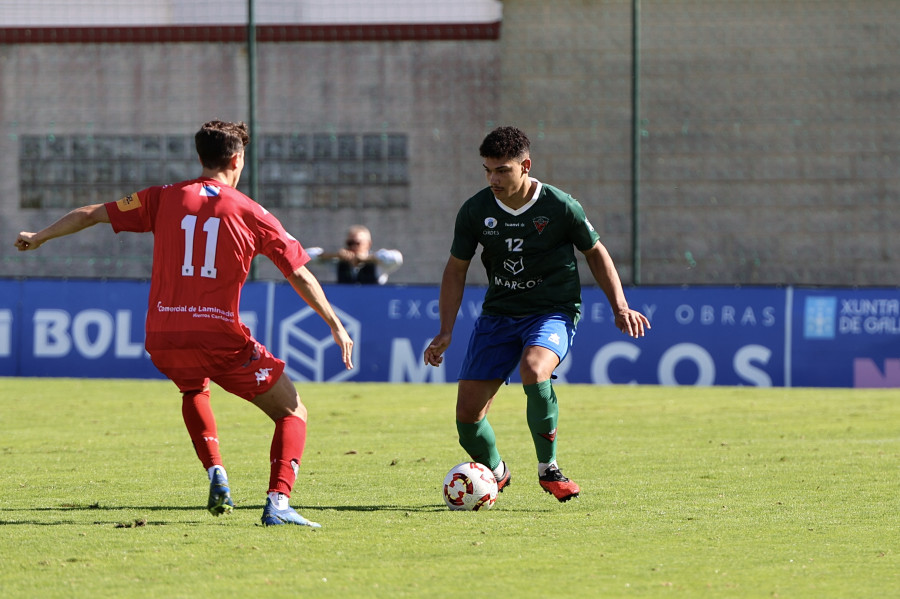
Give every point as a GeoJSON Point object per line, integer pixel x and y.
{"type": "Point", "coordinates": [528, 231]}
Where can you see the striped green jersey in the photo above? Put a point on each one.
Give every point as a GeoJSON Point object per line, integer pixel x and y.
{"type": "Point", "coordinates": [529, 253]}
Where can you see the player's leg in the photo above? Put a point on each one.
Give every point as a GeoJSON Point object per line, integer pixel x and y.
{"type": "Point", "coordinates": [282, 404]}
{"type": "Point", "coordinates": [547, 342]}
{"type": "Point", "coordinates": [201, 426]}
{"type": "Point", "coordinates": [476, 436]}
{"type": "Point", "coordinates": [261, 381]}
{"type": "Point", "coordinates": [200, 423]}
{"type": "Point", "coordinates": [492, 354]}
{"type": "Point", "coordinates": [542, 409]}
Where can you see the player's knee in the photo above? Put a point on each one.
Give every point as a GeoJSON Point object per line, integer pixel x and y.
{"type": "Point", "coordinates": [300, 410]}
{"type": "Point", "coordinates": [289, 406]}
{"type": "Point", "coordinates": [533, 376]}
{"type": "Point", "coordinates": [464, 416]}
{"type": "Point", "coordinates": [536, 371]}
{"type": "Point", "coordinates": [469, 414]}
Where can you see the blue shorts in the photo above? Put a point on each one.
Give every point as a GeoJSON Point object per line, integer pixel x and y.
{"type": "Point", "coordinates": [497, 342]}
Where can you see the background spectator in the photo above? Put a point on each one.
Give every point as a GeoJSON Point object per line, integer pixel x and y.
{"type": "Point", "coordinates": [356, 262]}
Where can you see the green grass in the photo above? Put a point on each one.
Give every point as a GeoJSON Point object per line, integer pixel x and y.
{"type": "Point", "coordinates": [718, 492]}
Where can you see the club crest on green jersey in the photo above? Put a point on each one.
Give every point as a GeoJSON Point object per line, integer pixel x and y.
{"type": "Point", "coordinates": [540, 223]}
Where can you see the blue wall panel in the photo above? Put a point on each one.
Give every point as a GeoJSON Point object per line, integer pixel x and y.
{"type": "Point", "coordinates": [761, 336]}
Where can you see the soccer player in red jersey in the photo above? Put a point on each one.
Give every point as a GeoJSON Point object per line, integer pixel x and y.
{"type": "Point", "coordinates": [206, 233]}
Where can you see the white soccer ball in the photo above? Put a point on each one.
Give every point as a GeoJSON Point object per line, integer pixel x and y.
{"type": "Point", "coordinates": [470, 486]}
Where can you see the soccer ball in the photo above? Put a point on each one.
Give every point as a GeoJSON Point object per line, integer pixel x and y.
{"type": "Point", "coordinates": [470, 486]}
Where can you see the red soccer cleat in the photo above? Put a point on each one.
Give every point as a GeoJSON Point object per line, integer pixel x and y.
{"type": "Point", "coordinates": [503, 481]}
{"type": "Point", "coordinates": [558, 485]}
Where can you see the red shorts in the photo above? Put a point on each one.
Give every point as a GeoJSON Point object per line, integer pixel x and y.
{"type": "Point", "coordinates": [248, 380]}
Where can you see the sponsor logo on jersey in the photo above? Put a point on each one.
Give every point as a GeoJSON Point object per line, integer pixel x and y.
{"type": "Point", "coordinates": [513, 224]}
{"type": "Point", "coordinates": [553, 338]}
{"type": "Point", "coordinates": [210, 191]}
{"type": "Point", "coordinates": [490, 222]}
{"type": "Point", "coordinates": [589, 225]}
{"type": "Point", "coordinates": [540, 223]}
{"type": "Point", "coordinates": [514, 265]}
{"type": "Point", "coordinates": [127, 203]}
{"type": "Point", "coordinates": [516, 284]}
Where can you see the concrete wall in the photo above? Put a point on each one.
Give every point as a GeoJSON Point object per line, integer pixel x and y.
{"type": "Point", "coordinates": [770, 148]}
{"type": "Point", "coordinates": [772, 138]}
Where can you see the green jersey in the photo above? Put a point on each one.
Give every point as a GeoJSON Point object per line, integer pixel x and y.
{"type": "Point", "coordinates": [528, 253]}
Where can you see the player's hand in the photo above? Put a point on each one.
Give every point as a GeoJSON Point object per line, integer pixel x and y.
{"type": "Point", "coordinates": [632, 323]}
{"type": "Point", "coordinates": [434, 353]}
{"type": "Point", "coordinates": [343, 341]}
{"type": "Point", "coordinates": [27, 241]}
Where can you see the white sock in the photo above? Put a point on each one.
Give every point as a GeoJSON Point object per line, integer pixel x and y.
{"type": "Point", "coordinates": [500, 470]}
{"type": "Point", "coordinates": [279, 500]}
{"type": "Point", "coordinates": [542, 467]}
{"type": "Point", "coordinates": [212, 469]}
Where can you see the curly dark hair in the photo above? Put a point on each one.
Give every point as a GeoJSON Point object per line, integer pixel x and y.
{"type": "Point", "coordinates": [218, 141]}
{"type": "Point", "coordinates": [504, 143]}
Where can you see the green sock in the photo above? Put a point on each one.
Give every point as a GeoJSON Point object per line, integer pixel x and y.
{"type": "Point", "coordinates": [543, 414]}
{"type": "Point", "coordinates": [479, 442]}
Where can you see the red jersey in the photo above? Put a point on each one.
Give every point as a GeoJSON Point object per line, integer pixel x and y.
{"type": "Point", "coordinates": [205, 235]}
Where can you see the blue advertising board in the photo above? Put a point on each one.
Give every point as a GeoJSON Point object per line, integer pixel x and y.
{"type": "Point", "coordinates": [80, 329]}
{"type": "Point", "coordinates": [390, 326]}
{"type": "Point", "coordinates": [10, 326]}
{"type": "Point", "coordinates": [699, 336]}
{"type": "Point", "coordinates": [758, 336]}
{"type": "Point", "coordinates": [846, 338]}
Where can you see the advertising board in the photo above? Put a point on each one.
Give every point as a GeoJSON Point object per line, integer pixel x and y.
{"type": "Point", "coordinates": [757, 336]}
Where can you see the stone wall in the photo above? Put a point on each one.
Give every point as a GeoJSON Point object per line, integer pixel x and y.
{"type": "Point", "coordinates": [770, 144]}
{"type": "Point", "coordinates": [771, 137]}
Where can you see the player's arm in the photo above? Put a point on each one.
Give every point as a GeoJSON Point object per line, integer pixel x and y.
{"type": "Point", "coordinates": [73, 222]}
{"type": "Point", "coordinates": [307, 286]}
{"type": "Point", "coordinates": [602, 267]}
{"type": "Point", "coordinates": [453, 284]}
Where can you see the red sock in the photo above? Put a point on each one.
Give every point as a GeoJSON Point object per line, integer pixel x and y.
{"type": "Point", "coordinates": [201, 426]}
{"type": "Point", "coordinates": [287, 449]}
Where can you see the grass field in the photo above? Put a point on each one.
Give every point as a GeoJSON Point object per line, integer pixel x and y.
{"type": "Point", "coordinates": [686, 492]}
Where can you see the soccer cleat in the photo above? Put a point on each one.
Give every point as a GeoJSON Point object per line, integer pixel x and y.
{"type": "Point", "coordinates": [503, 481]}
{"type": "Point", "coordinates": [274, 517]}
{"type": "Point", "coordinates": [219, 494]}
{"type": "Point", "coordinates": [558, 485]}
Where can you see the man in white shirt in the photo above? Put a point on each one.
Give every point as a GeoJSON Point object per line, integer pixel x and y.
{"type": "Point", "coordinates": [356, 262]}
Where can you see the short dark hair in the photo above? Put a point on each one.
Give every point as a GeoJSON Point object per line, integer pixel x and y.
{"type": "Point", "coordinates": [504, 143]}
{"type": "Point", "coordinates": [218, 141]}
